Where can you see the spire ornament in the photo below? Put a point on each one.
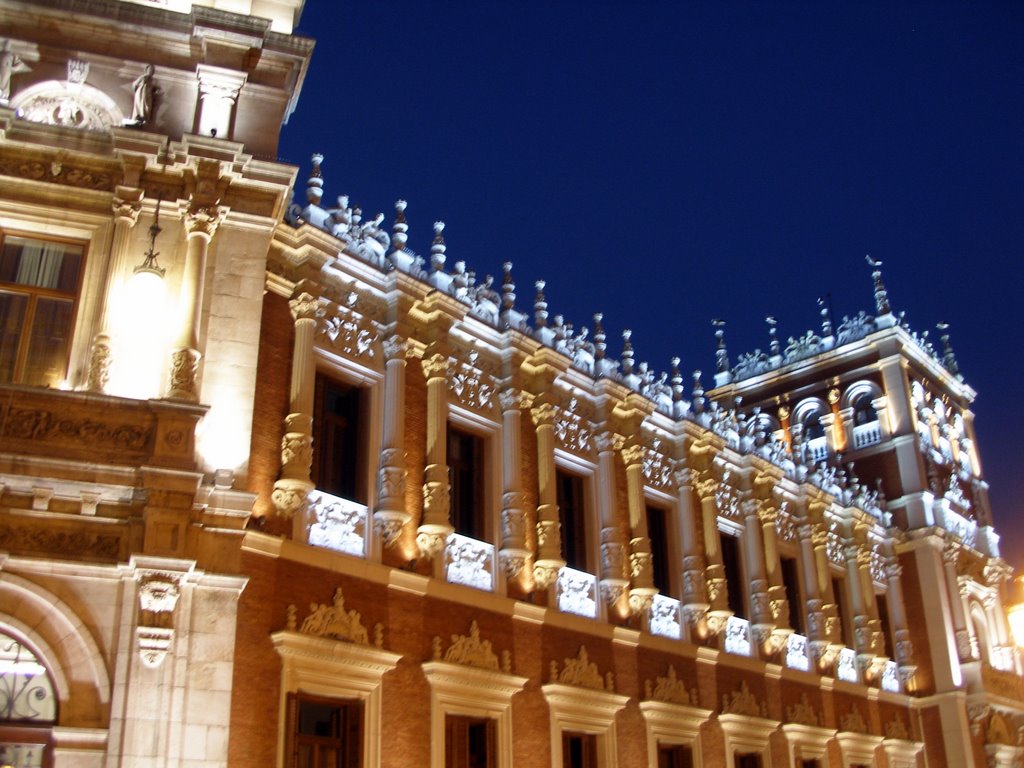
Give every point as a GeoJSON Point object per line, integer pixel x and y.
{"type": "Point", "coordinates": [438, 247]}
{"type": "Point", "coordinates": [948, 358]}
{"type": "Point", "coordinates": [881, 294]}
{"type": "Point", "coordinates": [773, 340]}
{"type": "Point", "coordinates": [721, 353]}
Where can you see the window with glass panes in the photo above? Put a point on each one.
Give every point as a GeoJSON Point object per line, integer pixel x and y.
{"type": "Point", "coordinates": [325, 732]}
{"type": "Point", "coordinates": [39, 285]}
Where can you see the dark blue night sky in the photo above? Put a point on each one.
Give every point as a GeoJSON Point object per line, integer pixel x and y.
{"type": "Point", "coordinates": [666, 162]}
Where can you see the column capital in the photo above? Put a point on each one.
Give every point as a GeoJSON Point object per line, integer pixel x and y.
{"type": "Point", "coordinates": [544, 414]}
{"type": "Point", "coordinates": [395, 348]}
{"type": "Point", "coordinates": [513, 399]}
{"type": "Point", "coordinates": [305, 307]}
{"type": "Point", "coordinates": [633, 455]}
{"type": "Point", "coordinates": [203, 220]}
{"type": "Point", "coordinates": [126, 205]}
{"type": "Point", "coordinates": [435, 366]}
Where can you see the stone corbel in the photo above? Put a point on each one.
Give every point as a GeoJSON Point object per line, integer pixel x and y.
{"type": "Point", "coordinates": [154, 632]}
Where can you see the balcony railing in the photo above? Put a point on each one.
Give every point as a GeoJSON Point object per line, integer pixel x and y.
{"type": "Point", "coordinates": [665, 617]}
{"type": "Point", "coordinates": [576, 592]}
{"type": "Point", "coordinates": [338, 524]}
{"type": "Point", "coordinates": [469, 562]}
{"type": "Point", "coordinates": [737, 636]}
{"type": "Point", "coordinates": [846, 666]}
{"type": "Point", "coordinates": [867, 434]}
{"type": "Point", "coordinates": [796, 653]}
{"type": "Point", "coordinates": [817, 449]}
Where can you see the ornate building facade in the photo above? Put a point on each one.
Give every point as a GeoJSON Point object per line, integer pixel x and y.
{"type": "Point", "coordinates": [277, 490]}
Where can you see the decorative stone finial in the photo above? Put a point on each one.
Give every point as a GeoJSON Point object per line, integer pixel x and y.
{"type": "Point", "coordinates": [948, 358]}
{"type": "Point", "coordinates": [627, 352]}
{"type": "Point", "coordinates": [677, 381]}
{"type": "Point", "coordinates": [315, 182]}
{"type": "Point", "coordinates": [825, 302]}
{"type": "Point", "coordinates": [540, 306]}
{"type": "Point", "coordinates": [881, 295]}
{"type": "Point", "coordinates": [773, 340]}
{"type": "Point", "coordinates": [698, 393]}
{"type": "Point", "coordinates": [599, 337]}
{"type": "Point", "coordinates": [721, 353]}
{"type": "Point", "coordinates": [400, 228]}
{"type": "Point", "coordinates": [508, 288]}
{"type": "Point", "coordinates": [438, 247]}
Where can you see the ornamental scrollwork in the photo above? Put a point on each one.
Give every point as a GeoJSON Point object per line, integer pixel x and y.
{"type": "Point", "coordinates": [472, 386]}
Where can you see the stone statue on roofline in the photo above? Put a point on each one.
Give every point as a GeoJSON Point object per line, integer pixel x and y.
{"type": "Point", "coordinates": [142, 96]}
{"type": "Point", "coordinates": [10, 64]}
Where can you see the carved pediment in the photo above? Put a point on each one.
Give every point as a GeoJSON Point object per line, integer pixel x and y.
{"type": "Point", "coordinates": [335, 622]}
{"type": "Point", "coordinates": [472, 651]}
{"type": "Point", "coordinates": [582, 672]}
{"type": "Point", "coordinates": [743, 702]}
{"type": "Point", "coordinates": [670, 689]}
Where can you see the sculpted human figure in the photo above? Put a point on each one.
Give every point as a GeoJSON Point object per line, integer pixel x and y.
{"type": "Point", "coordinates": [142, 101]}
{"type": "Point", "coordinates": [10, 64]}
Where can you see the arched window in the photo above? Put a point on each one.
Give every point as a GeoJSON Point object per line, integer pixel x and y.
{"type": "Point", "coordinates": [813, 428]}
{"type": "Point", "coordinates": [28, 705]}
{"type": "Point", "coordinates": [863, 411]}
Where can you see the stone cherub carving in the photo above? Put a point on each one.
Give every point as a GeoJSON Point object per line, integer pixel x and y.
{"type": "Point", "coordinates": [10, 64]}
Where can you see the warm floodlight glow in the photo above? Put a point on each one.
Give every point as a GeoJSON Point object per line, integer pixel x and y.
{"type": "Point", "coordinates": [1016, 615]}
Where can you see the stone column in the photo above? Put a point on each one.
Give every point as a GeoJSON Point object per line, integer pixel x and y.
{"type": "Point", "coordinates": [126, 205]}
{"type": "Point", "coordinates": [695, 597]}
{"type": "Point", "coordinates": [391, 516]}
{"type": "Point", "coordinates": [291, 490]}
{"type": "Point", "coordinates": [513, 552]}
{"type": "Point", "coordinates": [201, 222]}
{"type": "Point", "coordinates": [549, 539]}
{"type": "Point", "coordinates": [867, 634]}
{"type": "Point", "coordinates": [778, 605]}
{"type": "Point", "coordinates": [642, 591]}
{"type": "Point", "coordinates": [965, 642]}
{"type": "Point", "coordinates": [901, 643]}
{"type": "Point", "coordinates": [760, 610]}
{"type": "Point", "coordinates": [436, 526]}
{"type": "Point", "coordinates": [718, 597]}
{"type": "Point", "coordinates": [613, 549]}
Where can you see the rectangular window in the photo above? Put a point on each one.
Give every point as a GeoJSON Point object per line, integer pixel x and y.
{"type": "Point", "coordinates": [579, 750]}
{"type": "Point", "coordinates": [674, 756]}
{"type": "Point", "coordinates": [338, 451]}
{"type": "Point", "coordinates": [791, 581]}
{"type": "Point", "coordinates": [657, 531]}
{"type": "Point", "coordinates": [572, 515]}
{"type": "Point", "coordinates": [808, 763]}
{"type": "Point", "coordinates": [845, 624]}
{"type": "Point", "coordinates": [469, 742]}
{"type": "Point", "coordinates": [465, 467]}
{"type": "Point", "coordinates": [733, 574]}
{"type": "Point", "coordinates": [748, 760]}
{"type": "Point", "coordinates": [39, 284]}
{"type": "Point", "coordinates": [883, 617]}
{"type": "Point", "coordinates": [325, 733]}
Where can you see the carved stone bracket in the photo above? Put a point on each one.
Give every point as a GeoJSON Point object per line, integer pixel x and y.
{"type": "Point", "coordinates": [158, 598]}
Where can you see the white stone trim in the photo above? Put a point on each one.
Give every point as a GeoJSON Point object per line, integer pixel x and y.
{"type": "Point", "coordinates": [746, 733]}
{"type": "Point", "coordinates": [669, 723]}
{"type": "Point", "coordinates": [903, 754]}
{"type": "Point", "coordinates": [807, 742]}
{"type": "Point", "coordinates": [857, 748]}
{"type": "Point", "coordinates": [1000, 755]}
{"type": "Point", "coordinates": [333, 668]}
{"type": "Point", "coordinates": [587, 711]}
{"type": "Point", "coordinates": [458, 689]}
